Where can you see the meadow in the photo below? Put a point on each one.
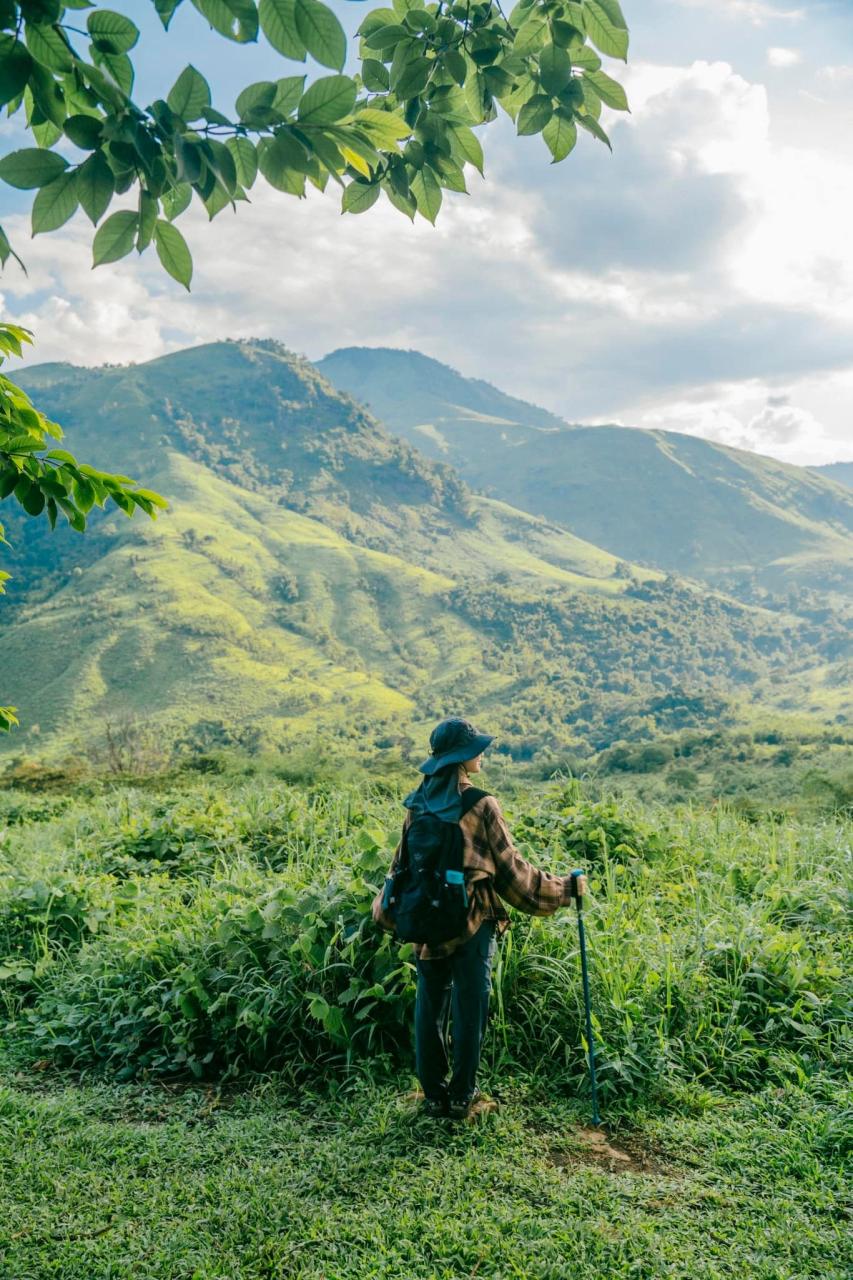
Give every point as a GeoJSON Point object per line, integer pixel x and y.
{"type": "Point", "coordinates": [206, 1054]}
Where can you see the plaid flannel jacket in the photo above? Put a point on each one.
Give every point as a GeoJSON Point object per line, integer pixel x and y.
{"type": "Point", "coordinates": [494, 869]}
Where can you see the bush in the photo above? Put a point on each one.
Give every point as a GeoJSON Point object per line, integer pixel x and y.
{"type": "Point", "coordinates": [211, 934]}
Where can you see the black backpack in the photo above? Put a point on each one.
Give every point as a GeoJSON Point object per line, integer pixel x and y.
{"type": "Point", "coordinates": [425, 895]}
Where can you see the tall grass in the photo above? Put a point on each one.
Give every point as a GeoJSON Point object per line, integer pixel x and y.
{"type": "Point", "coordinates": [226, 929]}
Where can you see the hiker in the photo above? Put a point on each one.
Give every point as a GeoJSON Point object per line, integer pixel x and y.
{"type": "Point", "coordinates": [455, 975]}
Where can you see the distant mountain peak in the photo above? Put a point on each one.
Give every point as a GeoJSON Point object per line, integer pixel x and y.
{"type": "Point", "coordinates": [663, 498]}
{"type": "Point", "coordinates": [378, 376]}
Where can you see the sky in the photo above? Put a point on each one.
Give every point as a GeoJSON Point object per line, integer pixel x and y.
{"type": "Point", "coordinates": [699, 279]}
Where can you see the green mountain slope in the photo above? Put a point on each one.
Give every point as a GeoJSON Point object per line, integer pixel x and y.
{"type": "Point", "coordinates": [315, 576]}
{"type": "Point", "coordinates": [840, 472]}
{"type": "Point", "coordinates": [673, 501]}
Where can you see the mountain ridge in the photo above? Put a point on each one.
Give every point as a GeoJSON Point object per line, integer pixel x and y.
{"type": "Point", "coordinates": [665, 499]}
{"type": "Point", "coordinates": [315, 575]}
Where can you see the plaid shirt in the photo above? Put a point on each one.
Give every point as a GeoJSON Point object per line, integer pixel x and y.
{"type": "Point", "coordinates": [494, 869]}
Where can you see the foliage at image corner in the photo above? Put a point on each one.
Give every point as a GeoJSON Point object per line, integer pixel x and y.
{"type": "Point", "coordinates": [402, 126]}
{"type": "Point", "coordinates": [49, 481]}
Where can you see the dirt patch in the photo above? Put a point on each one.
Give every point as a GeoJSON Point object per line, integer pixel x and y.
{"type": "Point", "coordinates": [594, 1147]}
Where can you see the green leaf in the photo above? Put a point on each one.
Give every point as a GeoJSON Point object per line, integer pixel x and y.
{"type": "Point", "coordinates": [173, 252]}
{"type": "Point", "coordinates": [609, 90]}
{"type": "Point", "coordinates": [535, 114]}
{"type": "Point", "coordinates": [95, 186]}
{"type": "Point", "coordinates": [359, 196]}
{"type": "Point", "coordinates": [469, 145]}
{"type": "Point", "coordinates": [261, 94]}
{"type": "Point", "coordinates": [8, 719]}
{"type": "Point", "coordinates": [375, 76]}
{"type": "Point", "coordinates": [245, 160]}
{"type": "Point", "coordinates": [560, 134]}
{"type": "Point", "coordinates": [15, 67]}
{"type": "Point", "coordinates": [7, 252]}
{"type": "Point", "coordinates": [48, 47]}
{"type": "Point", "coordinates": [189, 95]}
{"type": "Point", "coordinates": [235, 19]}
{"type": "Point", "coordinates": [84, 131]}
{"type": "Point", "coordinates": [33, 500]}
{"type": "Point", "coordinates": [283, 162]}
{"type": "Point", "coordinates": [592, 126]}
{"type": "Point", "coordinates": [111, 32]}
{"type": "Point", "coordinates": [115, 237]}
{"type": "Point", "coordinates": [278, 23]}
{"type": "Point", "coordinates": [498, 82]}
{"type": "Point", "coordinates": [120, 69]}
{"type": "Point", "coordinates": [149, 208]}
{"type": "Point", "coordinates": [555, 69]}
{"type": "Point", "coordinates": [84, 494]}
{"type": "Point", "coordinates": [474, 87]}
{"type": "Point", "coordinates": [288, 92]}
{"type": "Point", "coordinates": [404, 202]}
{"type": "Point", "coordinates": [586, 58]}
{"type": "Point", "coordinates": [427, 193]}
{"type": "Point", "coordinates": [452, 177]}
{"type": "Point", "coordinates": [387, 36]}
{"type": "Point", "coordinates": [532, 34]}
{"type": "Point", "coordinates": [31, 167]}
{"type": "Point", "coordinates": [166, 10]}
{"type": "Point", "coordinates": [326, 100]}
{"type": "Point", "coordinates": [318, 1008]}
{"type": "Point", "coordinates": [178, 199]}
{"type": "Point", "coordinates": [606, 27]}
{"type": "Point", "coordinates": [384, 128]}
{"type": "Point", "coordinates": [520, 12]}
{"type": "Point", "coordinates": [55, 203]}
{"type": "Point", "coordinates": [413, 78]}
{"type": "Point", "coordinates": [321, 33]}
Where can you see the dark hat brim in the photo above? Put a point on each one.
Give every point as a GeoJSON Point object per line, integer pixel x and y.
{"type": "Point", "coordinates": [468, 752]}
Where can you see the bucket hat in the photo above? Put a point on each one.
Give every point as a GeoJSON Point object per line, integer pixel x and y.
{"type": "Point", "coordinates": [452, 741]}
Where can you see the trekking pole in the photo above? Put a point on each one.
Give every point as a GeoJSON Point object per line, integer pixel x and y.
{"type": "Point", "coordinates": [578, 883]}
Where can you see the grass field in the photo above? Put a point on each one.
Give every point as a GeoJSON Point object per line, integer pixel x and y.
{"type": "Point", "coordinates": [128, 1182]}
{"type": "Point", "coordinates": [206, 1066]}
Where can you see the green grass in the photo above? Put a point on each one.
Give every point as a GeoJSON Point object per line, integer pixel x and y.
{"type": "Point", "coordinates": [206, 1047]}
{"type": "Point", "coordinates": [102, 1182]}
{"type": "Point", "coordinates": [218, 930]}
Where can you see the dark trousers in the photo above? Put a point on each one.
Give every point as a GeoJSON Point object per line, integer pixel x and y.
{"type": "Point", "coordinates": [460, 984]}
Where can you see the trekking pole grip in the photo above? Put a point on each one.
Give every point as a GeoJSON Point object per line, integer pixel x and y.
{"type": "Point", "coordinates": [578, 888]}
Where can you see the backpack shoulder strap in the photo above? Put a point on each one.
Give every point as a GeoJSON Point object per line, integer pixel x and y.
{"type": "Point", "coordinates": [470, 796]}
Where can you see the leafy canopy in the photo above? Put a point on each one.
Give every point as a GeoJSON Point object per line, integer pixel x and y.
{"type": "Point", "coordinates": [402, 125]}
{"type": "Point", "coordinates": [50, 480]}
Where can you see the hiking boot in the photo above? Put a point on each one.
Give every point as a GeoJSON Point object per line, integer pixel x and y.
{"type": "Point", "coordinates": [462, 1110]}
{"type": "Point", "coordinates": [435, 1108]}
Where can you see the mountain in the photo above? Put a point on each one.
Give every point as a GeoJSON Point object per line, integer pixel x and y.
{"type": "Point", "coordinates": [840, 472]}
{"type": "Point", "coordinates": [316, 577]}
{"type": "Point", "coordinates": [672, 501]}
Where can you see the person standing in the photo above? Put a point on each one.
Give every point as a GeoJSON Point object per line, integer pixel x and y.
{"type": "Point", "coordinates": [454, 977]}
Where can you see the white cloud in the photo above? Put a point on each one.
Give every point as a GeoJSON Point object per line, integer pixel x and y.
{"type": "Point", "coordinates": [758, 12]}
{"type": "Point", "coordinates": [751, 415]}
{"type": "Point", "coordinates": [839, 74]}
{"type": "Point", "coordinates": [680, 282]}
{"type": "Point", "coordinates": [779, 57]}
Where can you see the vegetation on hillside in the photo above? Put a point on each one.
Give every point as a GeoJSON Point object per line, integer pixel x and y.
{"type": "Point", "coordinates": [318, 577]}
{"type": "Point", "coordinates": [672, 501]}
